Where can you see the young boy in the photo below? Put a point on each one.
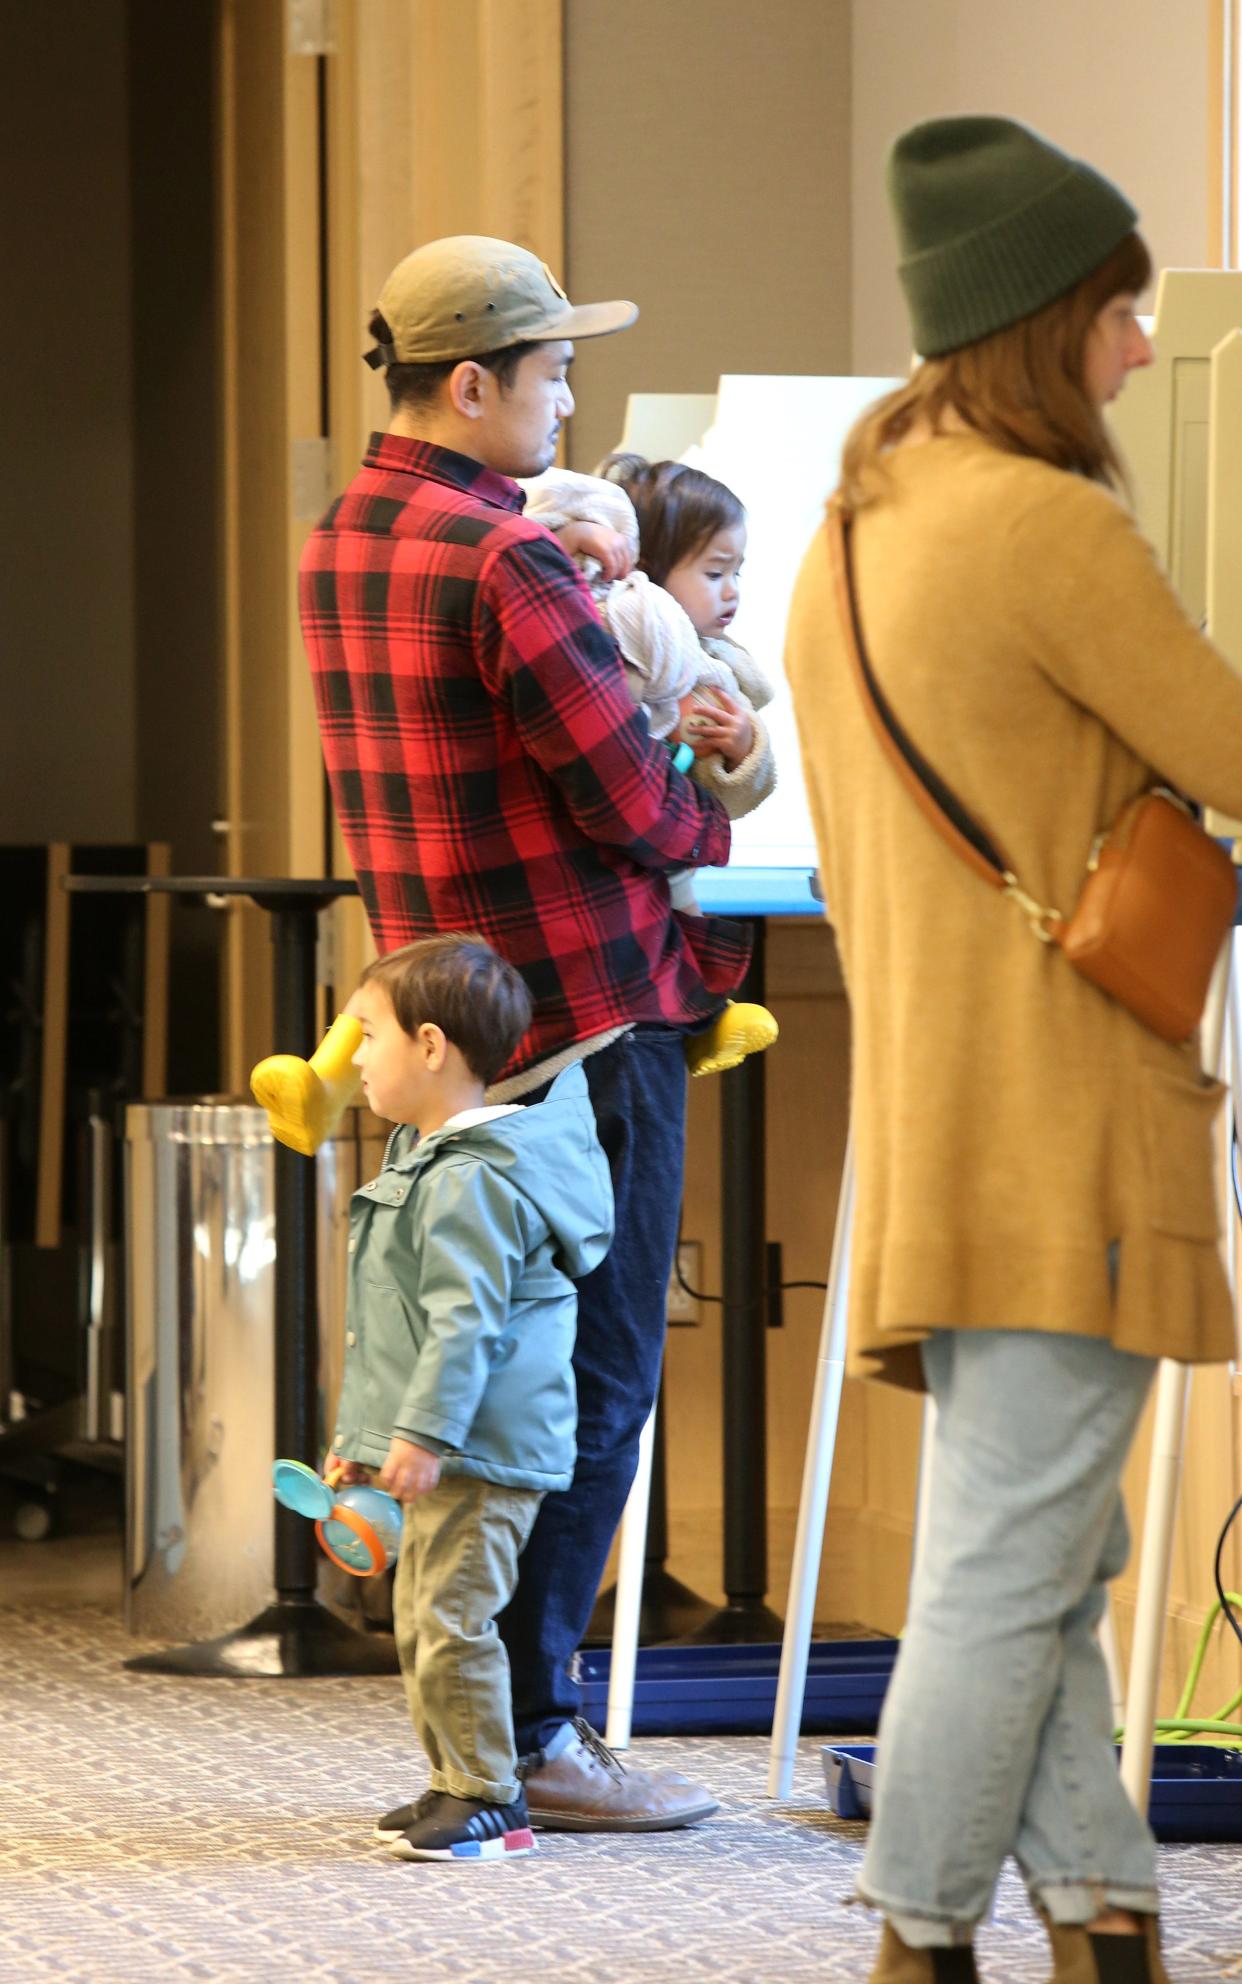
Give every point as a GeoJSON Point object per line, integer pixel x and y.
{"type": "Point", "coordinates": [460, 1320]}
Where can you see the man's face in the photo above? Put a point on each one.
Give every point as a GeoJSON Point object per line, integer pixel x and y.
{"type": "Point", "coordinates": [518, 432]}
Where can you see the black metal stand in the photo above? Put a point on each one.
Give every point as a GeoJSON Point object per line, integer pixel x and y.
{"type": "Point", "coordinates": [746, 1619]}
{"type": "Point", "coordinates": [295, 1635]}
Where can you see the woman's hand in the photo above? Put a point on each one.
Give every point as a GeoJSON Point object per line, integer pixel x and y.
{"type": "Point", "coordinates": [608, 547]}
{"type": "Point", "coordinates": [409, 1471]}
{"type": "Point", "coordinates": [713, 722]}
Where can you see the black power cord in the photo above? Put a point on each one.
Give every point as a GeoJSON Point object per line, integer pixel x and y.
{"type": "Point", "coordinates": [761, 1300]}
{"type": "Point", "coordinates": [1226, 1604]}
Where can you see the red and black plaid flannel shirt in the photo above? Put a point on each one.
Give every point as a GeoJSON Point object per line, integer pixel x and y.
{"type": "Point", "coordinates": [489, 769]}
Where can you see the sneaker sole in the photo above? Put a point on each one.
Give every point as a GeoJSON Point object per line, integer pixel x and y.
{"type": "Point", "coordinates": [609, 1822]}
{"type": "Point", "coordinates": [510, 1846]}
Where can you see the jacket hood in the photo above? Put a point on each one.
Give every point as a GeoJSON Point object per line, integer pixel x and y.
{"type": "Point", "coordinates": [551, 1153]}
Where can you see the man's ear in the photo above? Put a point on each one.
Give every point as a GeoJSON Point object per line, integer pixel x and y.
{"type": "Point", "coordinates": [467, 389]}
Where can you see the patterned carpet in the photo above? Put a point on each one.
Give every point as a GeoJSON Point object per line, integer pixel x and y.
{"type": "Point", "coordinates": [219, 1831]}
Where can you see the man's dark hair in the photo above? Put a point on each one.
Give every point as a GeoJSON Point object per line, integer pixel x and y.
{"type": "Point", "coordinates": [415, 386]}
{"type": "Point", "coordinates": [460, 984]}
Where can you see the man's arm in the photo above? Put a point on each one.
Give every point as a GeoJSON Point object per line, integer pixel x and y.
{"type": "Point", "coordinates": [543, 649]}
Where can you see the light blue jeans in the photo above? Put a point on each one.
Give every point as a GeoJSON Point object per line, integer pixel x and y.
{"type": "Point", "coordinates": [996, 1736]}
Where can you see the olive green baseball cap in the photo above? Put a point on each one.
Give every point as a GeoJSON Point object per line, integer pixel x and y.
{"type": "Point", "coordinates": [469, 293]}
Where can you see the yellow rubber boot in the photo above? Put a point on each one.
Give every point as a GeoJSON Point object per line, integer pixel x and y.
{"type": "Point", "coordinates": [738, 1031]}
{"type": "Point", "coordinates": [305, 1100]}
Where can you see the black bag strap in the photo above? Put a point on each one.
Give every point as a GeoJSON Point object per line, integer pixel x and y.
{"type": "Point", "coordinates": [934, 797]}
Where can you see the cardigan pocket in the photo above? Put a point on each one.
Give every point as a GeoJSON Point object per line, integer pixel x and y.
{"type": "Point", "coordinates": [1180, 1153]}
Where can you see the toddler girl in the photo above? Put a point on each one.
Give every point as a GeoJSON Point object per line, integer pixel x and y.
{"type": "Point", "coordinates": [661, 545]}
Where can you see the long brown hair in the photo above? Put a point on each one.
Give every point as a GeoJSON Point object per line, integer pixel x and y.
{"type": "Point", "coordinates": [1023, 388]}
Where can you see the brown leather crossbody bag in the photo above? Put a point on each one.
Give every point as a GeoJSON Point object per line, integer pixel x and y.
{"type": "Point", "coordinates": [1159, 893]}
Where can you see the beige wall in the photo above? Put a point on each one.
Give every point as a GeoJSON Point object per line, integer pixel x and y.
{"type": "Point", "coordinates": [1127, 88]}
{"type": "Point", "coordinates": [706, 176]}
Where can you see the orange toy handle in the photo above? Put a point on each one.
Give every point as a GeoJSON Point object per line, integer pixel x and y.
{"type": "Point", "coordinates": [366, 1536]}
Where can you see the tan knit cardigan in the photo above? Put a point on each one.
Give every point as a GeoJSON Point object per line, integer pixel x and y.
{"type": "Point", "coordinates": [1029, 1156]}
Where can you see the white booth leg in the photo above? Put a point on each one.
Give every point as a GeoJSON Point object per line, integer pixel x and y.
{"type": "Point", "coordinates": [813, 1505]}
{"type": "Point", "coordinates": [1168, 1437]}
{"type": "Point", "coordinates": [922, 1492]}
{"type": "Point", "coordinates": [1112, 1661]}
{"type": "Point", "coordinates": [629, 1599]}
{"type": "Point", "coordinates": [1172, 1393]}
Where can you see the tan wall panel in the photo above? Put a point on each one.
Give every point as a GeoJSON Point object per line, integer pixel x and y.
{"type": "Point", "coordinates": [707, 177]}
{"type": "Point", "coordinates": [270, 368]}
{"type": "Point", "coordinates": [1131, 94]}
{"type": "Point", "coordinates": [444, 118]}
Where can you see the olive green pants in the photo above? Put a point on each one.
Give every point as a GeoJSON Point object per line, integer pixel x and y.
{"type": "Point", "coordinates": [460, 1546]}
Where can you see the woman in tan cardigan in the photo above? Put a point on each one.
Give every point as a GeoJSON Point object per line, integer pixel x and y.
{"type": "Point", "coordinates": [1037, 1219]}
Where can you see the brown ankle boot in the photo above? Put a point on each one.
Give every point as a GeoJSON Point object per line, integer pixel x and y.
{"type": "Point", "coordinates": [897, 1963]}
{"type": "Point", "coordinates": [1078, 1957]}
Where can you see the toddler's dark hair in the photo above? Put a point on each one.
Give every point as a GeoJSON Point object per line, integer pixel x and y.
{"type": "Point", "coordinates": [679, 509]}
{"type": "Point", "coordinates": [460, 984]}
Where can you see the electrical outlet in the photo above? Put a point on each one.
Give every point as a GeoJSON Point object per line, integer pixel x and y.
{"type": "Point", "coordinates": [679, 1307]}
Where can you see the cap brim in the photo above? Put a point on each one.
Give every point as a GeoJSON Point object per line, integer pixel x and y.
{"type": "Point", "coordinates": [589, 320]}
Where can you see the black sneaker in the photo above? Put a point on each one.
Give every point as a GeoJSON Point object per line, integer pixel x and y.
{"type": "Point", "coordinates": [394, 1823]}
{"type": "Point", "coordinates": [448, 1828]}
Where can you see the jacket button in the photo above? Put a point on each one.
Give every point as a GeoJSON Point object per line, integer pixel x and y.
{"type": "Point", "coordinates": [339, 1441]}
{"type": "Point", "coordinates": [351, 1338]}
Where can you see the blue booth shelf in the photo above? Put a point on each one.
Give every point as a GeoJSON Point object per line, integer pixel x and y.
{"type": "Point", "coordinates": [1196, 1789]}
{"type": "Point", "coordinates": [731, 1690]}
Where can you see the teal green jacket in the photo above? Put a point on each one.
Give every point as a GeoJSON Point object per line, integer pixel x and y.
{"type": "Point", "coordinates": [461, 1311]}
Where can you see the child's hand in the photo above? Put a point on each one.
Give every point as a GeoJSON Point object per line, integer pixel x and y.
{"type": "Point", "coordinates": [608, 547]}
{"type": "Point", "coordinates": [713, 722]}
{"type": "Point", "coordinates": [340, 1473]}
{"type": "Point", "coordinates": [409, 1471]}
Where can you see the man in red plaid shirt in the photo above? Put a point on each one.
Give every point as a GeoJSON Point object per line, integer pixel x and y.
{"type": "Point", "coordinates": [491, 773]}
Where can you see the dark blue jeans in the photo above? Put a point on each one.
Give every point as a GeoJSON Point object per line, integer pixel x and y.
{"type": "Point", "coordinates": [638, 1091]}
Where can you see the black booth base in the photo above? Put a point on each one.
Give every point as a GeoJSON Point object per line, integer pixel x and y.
{"type": "Point", "coordinates": [293, 1638]}
{"type": "Point", "coordinates": [670, 1611]}
{"type": "Point", "coordinates": [745, 1622]}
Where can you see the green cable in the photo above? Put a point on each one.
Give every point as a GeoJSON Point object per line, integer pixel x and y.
{"type": "Point", "coordinates": [1182, 1724]}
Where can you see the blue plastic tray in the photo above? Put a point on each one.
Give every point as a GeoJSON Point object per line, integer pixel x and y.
{"type": "Point", "coordinates": [1196, 1790]}
{"type": "Point", "coordinates": [731, 1690]}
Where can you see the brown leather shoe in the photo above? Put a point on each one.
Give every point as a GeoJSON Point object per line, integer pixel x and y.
{"type": "Point", "coordinates": [1078, 1957]}
{"type": "Point", "coordinates": [897, 1963]}
{"type": "Point", "coordinates": [583, 1787]}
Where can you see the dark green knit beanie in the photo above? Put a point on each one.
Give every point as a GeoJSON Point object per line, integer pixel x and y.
{"type": "Point", "coordinates": [994, 222]}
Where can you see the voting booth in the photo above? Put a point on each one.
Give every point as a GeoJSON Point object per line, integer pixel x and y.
{"type": "Point", "coordinates": [776, 442]}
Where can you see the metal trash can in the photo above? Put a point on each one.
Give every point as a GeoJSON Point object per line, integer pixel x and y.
{"type": "Point", "coordinates": [200, 1250]}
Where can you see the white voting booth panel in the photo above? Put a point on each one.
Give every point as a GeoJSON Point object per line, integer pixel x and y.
{"type": "Point", "coordinates": [1177, 424]}
{"type": "Point", "coordinates": [776, 442]}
